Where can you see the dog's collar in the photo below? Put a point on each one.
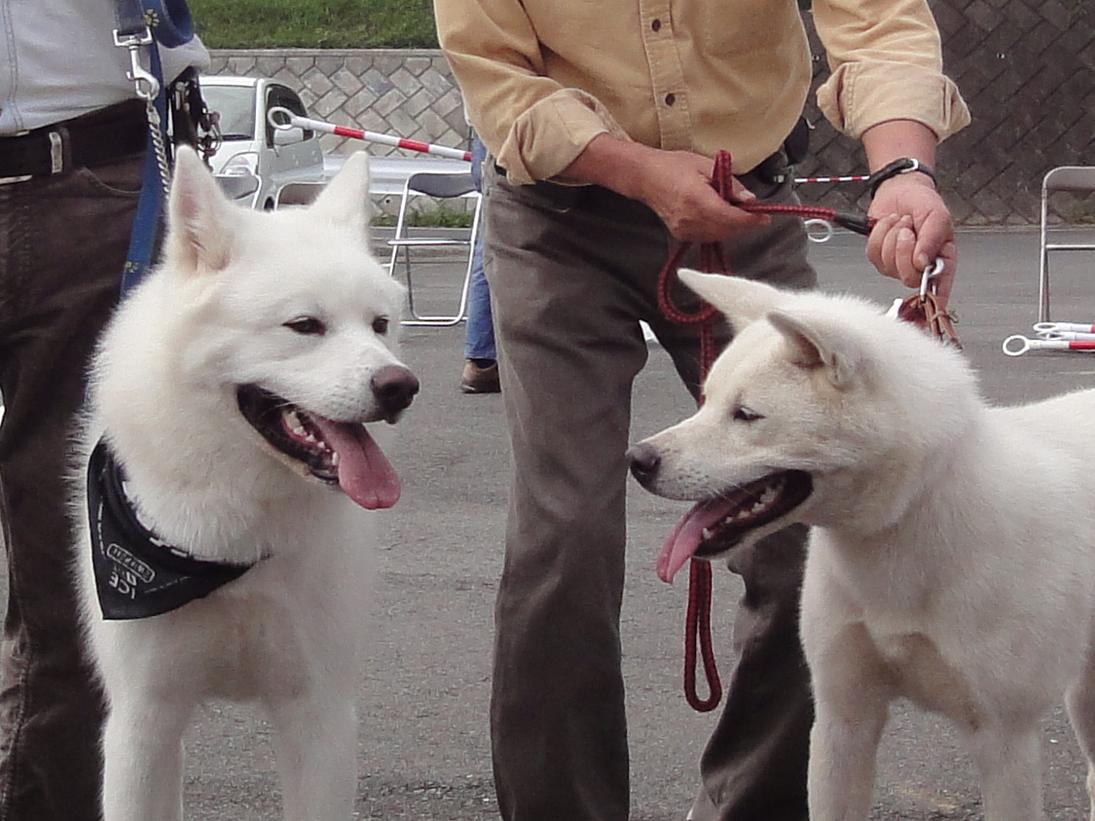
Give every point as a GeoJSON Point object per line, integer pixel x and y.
{"type": "Point", "coordinates": [137, 574]}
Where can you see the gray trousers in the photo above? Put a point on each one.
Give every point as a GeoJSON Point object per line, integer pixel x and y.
{"type": "Point", "coordinates": [63, 241]}
{"type": "Point", "coordinates": [572, 271]}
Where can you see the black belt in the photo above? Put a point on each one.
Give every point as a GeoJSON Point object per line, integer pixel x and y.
{"type": "Point", "coordinates": [91, 140]}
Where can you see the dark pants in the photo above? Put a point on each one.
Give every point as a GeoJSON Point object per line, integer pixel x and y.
{"type": "Point", "coordinates": [63, 242]}
{"type": "Point", "coordinates": [572, 271]}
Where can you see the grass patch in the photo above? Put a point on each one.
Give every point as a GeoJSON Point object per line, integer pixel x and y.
{"type": "Point", "coordinates": [440, 217]}
{"type": "Point", "coordinates": [315, 23]}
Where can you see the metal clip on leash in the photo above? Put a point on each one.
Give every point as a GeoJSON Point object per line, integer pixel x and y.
{"type": "Point", "coordinates": [923, 309]}
{"type": "Point", "coordinates": [148, 87]}
{"type": "Point", "coordinates": [147, 24]}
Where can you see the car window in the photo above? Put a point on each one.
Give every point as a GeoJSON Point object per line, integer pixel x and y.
{"type": "Point", "coordinates": [236, 106]}
{"type": "Point", "coordinates": [286, 98]}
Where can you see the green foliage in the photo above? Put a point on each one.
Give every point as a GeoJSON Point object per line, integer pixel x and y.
{"type": "Point", "coordinates": [442, 216]}
{"type": "Point", "coordinates": [315, 23]}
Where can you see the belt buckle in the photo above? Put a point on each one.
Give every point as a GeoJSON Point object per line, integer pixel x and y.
{"type": "Point", "coordinates": [56, 153]}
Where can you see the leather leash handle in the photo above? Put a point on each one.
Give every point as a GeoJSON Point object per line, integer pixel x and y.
{"type": "Point", "coordinates": [923, 309]}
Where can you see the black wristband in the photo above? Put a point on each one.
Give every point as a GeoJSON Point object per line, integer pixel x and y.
{"type": "Point", "coordinates": [905, 165]}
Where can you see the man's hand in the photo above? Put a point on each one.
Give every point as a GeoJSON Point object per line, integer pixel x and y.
{"type": "Point", "coordinates": [914, 227]}
{"type": "Point", "coordinates": [676, 185]}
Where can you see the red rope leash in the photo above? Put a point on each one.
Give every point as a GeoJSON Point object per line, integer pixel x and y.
{"type": "Point", "coordinates": [698, 617]}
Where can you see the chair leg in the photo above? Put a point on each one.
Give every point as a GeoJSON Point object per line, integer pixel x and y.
{"type": "Point", "coordinates": [1043, 263]}
{"type": "Point", "coordinates": [462, 308]}
{"type": "Point", "coordinates": [410, 283]}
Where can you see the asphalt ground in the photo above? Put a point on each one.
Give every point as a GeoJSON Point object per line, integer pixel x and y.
{"type": "Point", "coordinates": [424, 748]}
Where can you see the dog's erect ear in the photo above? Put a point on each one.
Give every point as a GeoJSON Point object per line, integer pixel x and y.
{"type": "Point", "coordinates": [816, 344]}
{"type": "Point", "coordinates": [199, 217]}
{"type": "Point", "coordinates": [345, 200]}
{"type": "Point", "coordinates": [741, 300]}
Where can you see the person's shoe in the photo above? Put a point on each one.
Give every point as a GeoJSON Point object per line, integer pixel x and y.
{"type": "Point", "coordinates": [480, 376]}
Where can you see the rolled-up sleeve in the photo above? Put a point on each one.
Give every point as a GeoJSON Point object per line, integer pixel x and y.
{"type": "Point", "coordinates": [532, 125]}
{"type": "Point", "coordinates": [887, 64]}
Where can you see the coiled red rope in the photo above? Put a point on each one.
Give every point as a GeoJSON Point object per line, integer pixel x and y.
{"type": "Point", "coordinates": [698, 617]}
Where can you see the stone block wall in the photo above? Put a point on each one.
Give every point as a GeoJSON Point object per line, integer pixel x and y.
{"type": "Point", "coordinates": [407, 93]}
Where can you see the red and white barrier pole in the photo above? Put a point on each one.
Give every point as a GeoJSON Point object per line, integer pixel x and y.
{"type": "Point", "coordinates": [287, 119]}
{"type": "Point", "coordinates": [1018, 345]}
{"type": "Point", "coordinates": [1066, 327]}
{"type": "Point", "coordinates": [852, 178]}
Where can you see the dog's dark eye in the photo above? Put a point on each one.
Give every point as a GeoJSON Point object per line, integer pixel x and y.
{"type": "Point", "coordinates": [307, 325]}
{"type": "Point", "coordinates": [380, 325]}
{"type": "Point", "coordinates": [744, 414]}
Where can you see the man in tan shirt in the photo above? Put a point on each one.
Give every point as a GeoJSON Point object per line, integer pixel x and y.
{"type": "Point", "coordinates": [602, 117]}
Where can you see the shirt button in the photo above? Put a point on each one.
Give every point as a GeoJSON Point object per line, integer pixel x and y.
{"type": "Point", "coordinates": [656, 25]}
{"type": "Point", "coordinates": [670, 99]}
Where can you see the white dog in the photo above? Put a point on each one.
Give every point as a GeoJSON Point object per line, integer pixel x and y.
{"type": "Point", "coordinates": [952, 555]}
{"type": "Point", "coordinates": [223, 548]}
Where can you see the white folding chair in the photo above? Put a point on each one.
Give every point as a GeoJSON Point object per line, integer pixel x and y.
{"type": "Point", "coordinates": [1073, 178]}
{"type": "Point", "coordinates": [438, 186]}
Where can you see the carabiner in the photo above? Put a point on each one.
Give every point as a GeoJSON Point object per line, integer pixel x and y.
{"type": "Point", "coordinates": [931, 272]}
{"type": "Point", "coordinates": [148, 87]}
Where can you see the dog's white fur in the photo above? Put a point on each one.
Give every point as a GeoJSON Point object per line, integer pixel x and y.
{"type": "Point", "coordinates": [952, 554]}
{"type": "Point", "coordinates": [287, 633]}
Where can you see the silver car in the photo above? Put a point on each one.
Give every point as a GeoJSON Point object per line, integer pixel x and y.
{"type": "Point", "coordinates": [250, 146]}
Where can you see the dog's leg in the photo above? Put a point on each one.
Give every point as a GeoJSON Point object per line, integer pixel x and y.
{"type": "Point", "coordinates": [316, 749]}
{"type": "Point", "coordinates": [1080, 700]}
{"type": "Point", "coordinates": [852, 702]}
{"type": "Point", "coordinates": [143, 760]}
{"type": "Point", "coordinates": [843, 743]}
{"type": "Point", "coordinates": [1009, 763]}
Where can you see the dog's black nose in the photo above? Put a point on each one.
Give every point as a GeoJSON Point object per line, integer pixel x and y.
{"type": "Point", "coordinates": [394, 387]}
{"type": "Point", "coordinates": [644, 460]}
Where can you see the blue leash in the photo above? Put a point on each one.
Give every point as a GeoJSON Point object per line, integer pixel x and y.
{"type": "Point", "coordinates": [148, 23]}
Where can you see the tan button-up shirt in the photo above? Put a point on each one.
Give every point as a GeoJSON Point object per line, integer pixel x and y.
{"type": "Point", "coordinates": [541, 78]}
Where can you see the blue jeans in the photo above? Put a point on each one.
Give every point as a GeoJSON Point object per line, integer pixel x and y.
{"type": "Point", "coordinates": [479, 333]}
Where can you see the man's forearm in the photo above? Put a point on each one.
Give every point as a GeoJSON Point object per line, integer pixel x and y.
{"type": "Point", "coordinates": [611, 163]}
{"type": "Point", "coordinates": [895, 139]}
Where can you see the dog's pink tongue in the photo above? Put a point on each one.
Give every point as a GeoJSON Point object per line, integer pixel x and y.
{"type": "Point", "coordinates": [685, 539]}
{"type": "Point", "coordinates": [364, 472]}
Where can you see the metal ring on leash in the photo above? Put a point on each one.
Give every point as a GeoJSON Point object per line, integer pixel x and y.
{"type": "Point", "coordinates": [818, 230]}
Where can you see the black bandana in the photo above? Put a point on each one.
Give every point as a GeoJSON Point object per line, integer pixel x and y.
{"type": "Point", "coordinates": [136, 573]}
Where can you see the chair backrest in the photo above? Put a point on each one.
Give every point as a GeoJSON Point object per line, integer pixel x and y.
{"type": "Point", "coordinates": [1070, 178]}
{"type": "Point", "coordinates": [442, 186]}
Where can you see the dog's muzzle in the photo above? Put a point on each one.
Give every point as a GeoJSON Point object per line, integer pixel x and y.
{"type": "Point", "coordinates": [644, 461]}
{"type": "Point", "coordinates": [394, 388]}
